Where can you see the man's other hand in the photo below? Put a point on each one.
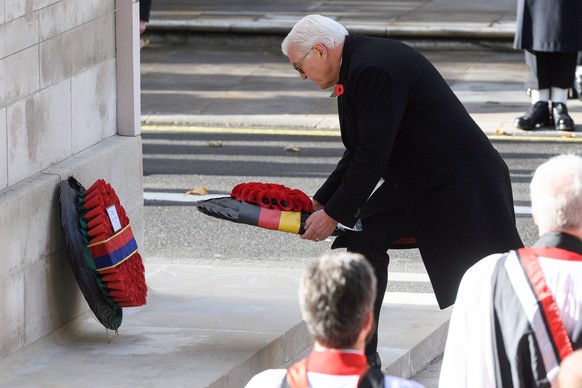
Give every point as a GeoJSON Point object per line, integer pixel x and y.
{"type": "Point", "coordinates": [318, 226]}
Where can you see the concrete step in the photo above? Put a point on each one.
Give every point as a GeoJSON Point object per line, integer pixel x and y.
{"type": "Point", "coordinates": [215, 326]}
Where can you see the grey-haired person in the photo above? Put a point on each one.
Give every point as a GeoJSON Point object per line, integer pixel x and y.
{"type": "Point", "coordinates": [336, 297]}
{"type": "Point", "coordinates": [518, 314]}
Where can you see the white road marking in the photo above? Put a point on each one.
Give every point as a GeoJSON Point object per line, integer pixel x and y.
{"type": "Point", "coordinates": [180, 197]}
{"type": "Point", "coordinates": [410, 298]}
{"type": "Point", "coordinates": [407, 277]}
{"type": "Point", "coordinates": [523, 210]}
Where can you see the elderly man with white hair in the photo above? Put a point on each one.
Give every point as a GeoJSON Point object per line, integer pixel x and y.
{"type": "Point", "coordinates": [415, 162]}
{"type": "Point", "coordinates": [518, 314]}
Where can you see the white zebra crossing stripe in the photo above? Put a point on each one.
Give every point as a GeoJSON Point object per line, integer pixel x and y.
{"type": "Point", "coordinates": [186, 198]}
{"type": "Point", "coordinates": [179, 197]}
{"type": "Point", "coordinates": [410, 298]}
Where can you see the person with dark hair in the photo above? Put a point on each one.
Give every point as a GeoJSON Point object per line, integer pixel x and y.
{"type": "Point", "coordinates": [336, 296]}
{"type": "Point", "coordinates": [415, 162]}
{"type": "Point", "coordinates": [517, 314]}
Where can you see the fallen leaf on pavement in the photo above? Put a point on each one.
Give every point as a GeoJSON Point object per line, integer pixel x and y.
{"type": "Point", "coordinates": [202, 190]}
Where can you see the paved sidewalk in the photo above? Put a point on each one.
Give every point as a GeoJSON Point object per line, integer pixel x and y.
{"type": "Point", "coordinates": [209, 327]}
{"type": "Point", "coordinates": [218, 63]}
{"type": "Point", "coordinates": [418, 18]}
{"type": "Point", "coordinates": [226, 81]}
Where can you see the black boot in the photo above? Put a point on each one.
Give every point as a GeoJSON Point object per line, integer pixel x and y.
{"type": "Point", "coordinates": [538, 115]}
{"type": "Point", "coordinates": [374, 361]}
{"type": "Point", "coordinates": [562, 119]}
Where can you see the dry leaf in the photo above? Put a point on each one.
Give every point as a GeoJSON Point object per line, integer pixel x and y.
{"type": "Point", "coordinates": [292, 148]}
{"type": "Point", "coordinates": [144, 42]}
{"type": "Point", "coordinates": [215, 144]}
{"type": "Point", "coordinates": [569, 135]}
{"type": "Point", "coordinates": [202, 190]}
{"type": "Point", "coordinates": [501, 132]}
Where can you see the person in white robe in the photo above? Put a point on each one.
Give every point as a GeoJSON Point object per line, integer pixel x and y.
{"type": "Point", "coordinates": [518, 314]}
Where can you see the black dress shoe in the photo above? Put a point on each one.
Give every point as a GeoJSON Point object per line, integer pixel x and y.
{"type": "Point", "coordinates": [538, 115]}
{"type": "Point", "coordinates": [562, 120]}
{"type": "Point", "coordinates": [374, 361]}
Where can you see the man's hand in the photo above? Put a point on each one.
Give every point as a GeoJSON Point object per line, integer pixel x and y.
{"type": "Point", "coordinates": [318, 226]}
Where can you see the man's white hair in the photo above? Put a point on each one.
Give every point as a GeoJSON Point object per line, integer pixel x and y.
{"type": "Point", "coordinates": [556, 194]}
{"type": "Point", "coordinates": [314, 29]}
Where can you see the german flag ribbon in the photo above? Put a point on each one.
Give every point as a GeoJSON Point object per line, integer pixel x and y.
{"type": "Point", "coordinates": [274, 219]}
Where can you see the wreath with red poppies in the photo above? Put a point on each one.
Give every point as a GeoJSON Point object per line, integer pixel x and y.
{"type": "Point", "coordinates": [272, 196]}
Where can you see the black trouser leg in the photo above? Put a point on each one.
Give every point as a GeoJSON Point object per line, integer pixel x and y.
{"type": "Point", "coordinates": [379, 233]}
{"type": "Point", "coordinates": [549, 69]}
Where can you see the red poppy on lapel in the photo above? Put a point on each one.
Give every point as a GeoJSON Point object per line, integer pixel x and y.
{"type": "Point", "coordinates": [338, 90]}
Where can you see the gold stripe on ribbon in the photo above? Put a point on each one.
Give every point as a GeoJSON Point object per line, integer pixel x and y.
{"type": "Point", "coordinates": [290, 222]}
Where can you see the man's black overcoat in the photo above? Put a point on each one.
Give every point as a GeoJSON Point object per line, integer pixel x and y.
{"type": "Point", "coordinates": [549, 26]}
{"type": "Point", "coordinates": [401, 122]}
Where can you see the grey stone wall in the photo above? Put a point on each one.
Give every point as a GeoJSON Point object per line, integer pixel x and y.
{"type": "Point", "coordinates": [63, 66]}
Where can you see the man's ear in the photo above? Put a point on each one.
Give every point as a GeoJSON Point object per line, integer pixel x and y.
{"type": "Point", "coordinates": [367, 331]}
{"type": "Point", "coordinates": [534, 218]}
{"type": "Point", "coordinates": [370, 321]}
{"type": "Point", "coordinates": [321, 51]}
